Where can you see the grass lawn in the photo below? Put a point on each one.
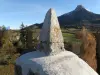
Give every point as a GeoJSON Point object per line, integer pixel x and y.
{"type": "Point", "coordinates": [70, 38]}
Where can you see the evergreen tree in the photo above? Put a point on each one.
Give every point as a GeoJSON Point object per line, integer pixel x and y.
{"type": "Point", "coordinates": [3, 28]}
{"type": "Point", "coordinates": [26, 36]}
{"type": "Point", "coordinates": [23, 35]}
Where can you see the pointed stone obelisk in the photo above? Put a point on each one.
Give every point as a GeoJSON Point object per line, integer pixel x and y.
{"type": "Point", "coordinates": [51, 39]}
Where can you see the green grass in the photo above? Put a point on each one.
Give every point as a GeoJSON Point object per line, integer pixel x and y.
{"type": "Point", "coordinates": [70, 38]}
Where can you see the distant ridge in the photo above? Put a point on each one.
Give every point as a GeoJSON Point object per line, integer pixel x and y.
{"type": "Point", "coordinates": [75, 17]}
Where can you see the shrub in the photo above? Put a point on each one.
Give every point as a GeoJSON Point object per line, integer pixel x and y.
{"type": "Point", "coordinates": [7, 44]}
{"type": "Point", "coordinates": [4, 59]}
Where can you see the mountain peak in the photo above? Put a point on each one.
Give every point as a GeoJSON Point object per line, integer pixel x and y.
{"type": "Point", "coordinates": [79, 7]}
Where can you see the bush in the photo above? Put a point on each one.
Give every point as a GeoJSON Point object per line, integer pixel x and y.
{"type": "Point", "coordinates": [7, 44]}
{"type": "Point", "coordinates": [4, 59]}
{"type": "Point", "coordinates": [3, 62]}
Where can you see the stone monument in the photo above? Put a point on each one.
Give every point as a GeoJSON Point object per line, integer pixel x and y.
{"type": "Point", "coordinates": [51, 58]}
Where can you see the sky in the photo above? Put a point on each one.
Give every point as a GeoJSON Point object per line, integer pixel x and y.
{"type": "Point", "coordinates": [14, 12]}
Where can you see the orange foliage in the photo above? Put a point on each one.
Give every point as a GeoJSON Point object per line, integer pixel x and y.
{"type": "Point", "coordinates": [88, 53]}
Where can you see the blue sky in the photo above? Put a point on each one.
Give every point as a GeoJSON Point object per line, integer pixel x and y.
{"type": "Point", "coordinates": [14, 12]}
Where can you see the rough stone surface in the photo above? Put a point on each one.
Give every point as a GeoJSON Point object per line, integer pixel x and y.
{"type": "Point", "coordinates": [52, 59]}
{"type": "Point", "coordinates": [64, 63]}
{"type": "Point", "coordinates": [88, 49]}
{"type": "Point", "coordinates": [51, 38]}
